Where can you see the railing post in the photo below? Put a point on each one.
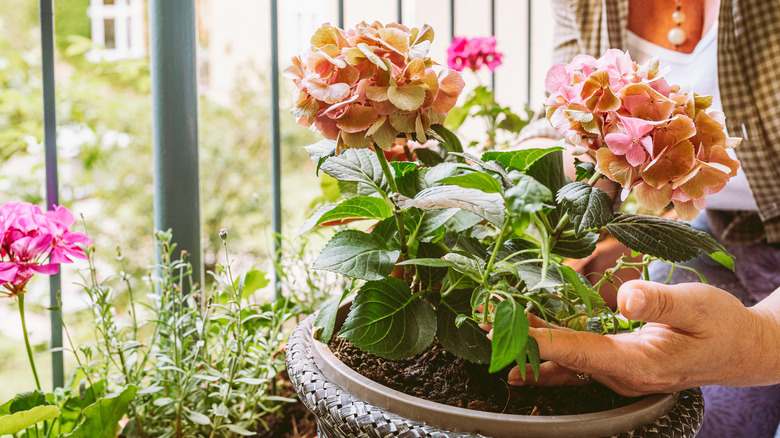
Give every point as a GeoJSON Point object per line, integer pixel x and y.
{"type": "Point", "coordinates": [452, 20]}
{"type": "Point", "coordinates": [528, 52]}
{"type": "Point", "coordinates": [493, 33]}
{"type": "Point", "coordinates": [46, 12]}
{"type": "Point", "coordinates": [400, 11]}
{"type": "Point", "coordinates": [172, 42]}
{"type": "Point", "coordinates": [276, 155]}
{"type": "Point", "coordinates": [341, 14]}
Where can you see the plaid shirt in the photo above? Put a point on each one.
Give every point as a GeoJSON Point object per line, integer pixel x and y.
{"type": "Point", "coordinates": [749, 75]}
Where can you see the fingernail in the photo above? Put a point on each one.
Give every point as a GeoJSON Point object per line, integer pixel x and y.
{"type": "Point", "coordinates": [516, 382]}
{"type": "Point", "coordinates": [636, 302]}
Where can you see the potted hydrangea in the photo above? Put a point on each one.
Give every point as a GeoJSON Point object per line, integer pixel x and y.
{"type": "Point", "coordinates": [451, 242]}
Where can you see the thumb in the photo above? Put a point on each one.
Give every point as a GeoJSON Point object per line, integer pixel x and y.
{"type": "Point", "coordinates": [679, 306]}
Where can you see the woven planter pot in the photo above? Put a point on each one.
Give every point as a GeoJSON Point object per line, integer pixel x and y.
{"type": "Point", "coordinates": [347, 404]}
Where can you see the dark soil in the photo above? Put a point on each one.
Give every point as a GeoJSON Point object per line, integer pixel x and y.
{"type": "Point", "coordinates": [439, 376]}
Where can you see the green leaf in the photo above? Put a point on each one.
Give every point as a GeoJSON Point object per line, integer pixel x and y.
{"type": "Point", "coordinates": [527, 196]}
{"type": "Point", "coordinates": [588, 296]}
{"type": "Point", "coordinates": [314, 219]}
{"type": "Point", "coordinates": [475, 180]}
{"type": "Point", "coordinates": [197, 417]}
{"type": "Point", "coordinates": [321, 151]}
{"type": "Point", "coordinates": [457, 116]}
{"type": "Point", "coordinates": [589, 208]}
{"type": "Point", "coordinates": [530, 354]}
{"type": "Point", "coordinates": [401, 168]}
{"type": "Point", "coordinates": [357, 254]}
{"type": "Point", "coordinates": [19, 421]}
{"type": "Point", "coordinates": [387, 321]}
{"type": "Point", "coordinates": [325, 321]}
{"type": "Point", "coordinates": [576, 247]}
{"type": "Point", "coordinates": [548, 170]}
{"type": "Point", "coordinates": [27, 400]}
{"type": "Point", "coordinates": [510, 333]}
{"type": "Point", "coordinates": [433, 220]}
{"type": "Point", "coordinates": [519, 160]}
{"type": "Point", "coordinates": [471, 246]}
{"type": "Point", "coordinates": [512, 123]}
{"type": "Point", "coordinates": [450, 140]}
{"type": "Point", "coordinates": [724, 259]}
{"type": "Point", "coordinates": [237, 430]}
{"type": "Point", "coordinates": [428, 157]}
{"type": "Point", "coordinates": [252, 281]}
{"type": "Point", "coordinates": [584, 170]}
{"type": "Point", "coordinates": [101, 419]}
{"type": "Point", "coordinates": [487, 205]}
{"type": "Point", "coordinates": [359, 207]}
{"type": "Point", "coordinates": [465, 340]}
{"type": "Point", "coordinates": [667, 239]}
{"type": "Point", "coordinates": [358, 165]}
{"type": "Point", "coordinates": [73, 407]}
{"type": "Point", "coordinates": [430, 276]}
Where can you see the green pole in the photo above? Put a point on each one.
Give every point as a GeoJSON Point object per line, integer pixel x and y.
{"type": "Point", "coordinates": [172, 42]}
{"type": "Point", "coordinates": [46, 12]}
{"type": "Point", "coordinates": [276, 150]}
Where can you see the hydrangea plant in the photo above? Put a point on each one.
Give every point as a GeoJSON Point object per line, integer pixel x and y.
{"type": "Point", "coordinates": [451, 240]}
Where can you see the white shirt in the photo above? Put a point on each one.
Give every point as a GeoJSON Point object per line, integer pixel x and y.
{"type": "Point", "coordinates": [699, 70]}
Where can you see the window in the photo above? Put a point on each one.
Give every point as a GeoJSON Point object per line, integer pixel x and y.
{"type": "Point", "coordinates": [118, 26]}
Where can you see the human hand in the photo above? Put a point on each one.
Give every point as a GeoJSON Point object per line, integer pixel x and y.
{"type": "Point", "coordinates": [696, 335]}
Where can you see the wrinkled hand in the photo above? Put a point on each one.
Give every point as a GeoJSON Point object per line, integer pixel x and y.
{"type": "Point", "coordinates": [696, 335]}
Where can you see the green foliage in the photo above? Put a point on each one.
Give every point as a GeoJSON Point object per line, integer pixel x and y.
{"type": "Point", "coordinates": [71, 18]}
{"type": "Point", "coordinates": [379, 320]}
{"type": "Point", "coordinates": [463, 241]}
{"type": "Point", "coordinates": [101, 419]}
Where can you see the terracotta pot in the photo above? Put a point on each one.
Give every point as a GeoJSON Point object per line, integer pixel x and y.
{"type": "Point", "coordinates": [349, 405]}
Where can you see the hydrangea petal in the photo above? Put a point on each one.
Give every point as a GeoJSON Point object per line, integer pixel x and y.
{"type": "Point", "coordinates": [451, 84]}
{"type": "Point", "coordinates": [653, 198]}
{"type": "Point", "coordinates": [356, 118]}
{"type": "Point", "coordinates": [408, 97]}
{"type": "Point", "coordinates": [643, 102]}
{"type": "Point", "coordinates": [671, 164]}
{"type": "Point", "coordinates": [325, 92]}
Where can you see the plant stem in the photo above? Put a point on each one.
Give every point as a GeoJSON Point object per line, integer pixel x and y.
{"type": "Point", "coordinates": [380, 155]}
{"type": "Point", "coordinates": [27, 341]}
{"type": "Point", "coordinates": [596, 176]}
{"type": "Point", "coordinates": [399, 216]}
{"type": "Point", "coordinates": [489, 267]}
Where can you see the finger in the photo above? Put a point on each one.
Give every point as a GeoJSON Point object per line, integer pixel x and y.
{"type": "Point", "coordinates": [550, 374]}
{"type": "Point", "coordinates": [583, 351]}
{"type": "Point", "coordinates": [678, 305]}
{"type": "Point", "coordinates": [490, 334]}
{"type": "Point", "coordinates": [537, 322]}
{"type": "Point", "coordinates": [485, 327]}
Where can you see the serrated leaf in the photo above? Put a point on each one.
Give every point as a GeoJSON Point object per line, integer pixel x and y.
{"type": "Point", "coordinates": [101, 419]}
{"type": "Point", "coordinates": [19, 421]}
{"type": "Point", "coordinates": [472, 246]}
{"type": "Point", "coordinates": [387, 321]}
{"type": "Point", "coordinates": [589, 208]}
{"type": "Point", "coordinates": [527, 196]}
{"type": "Point", "coordinates": [510, 334]}
{"type": "Point", "coordinates": [357, 254]}
{"type": "Point", "coordinates": [321, 151]}
{"type": "Point", "coordinates": [358, 165]}
{"type": "Point", "coordinates": [471, 266]}
{"type": "Point", "coordinates": [548, 170]}
{"type": "Point", "coordinates": [519, 160]}
{"type": "Point", "coordinates": [584, 170]}
{"type": "Point", "coordinates": [314, 219]}
{"type": "Point", "coordinates": [474, 180]}
{"type": "Point", "coordinates": [576, 247]}
{"type": "Point", "coordinates": [486, 205]}
{"type": "Point", "coordinates": [359, 207]}
{"type": "Point", "coordinates": [432, 220]}
{"type": "Point", "coordinates": [465, 340]}
{"type": "Point", "coordinates": [667, 239]}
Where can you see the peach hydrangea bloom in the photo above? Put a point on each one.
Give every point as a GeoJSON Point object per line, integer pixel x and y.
{"type": "Point", "coordinates": [366, 86]}
{"type": "Point", "coordinates": [646, 134]}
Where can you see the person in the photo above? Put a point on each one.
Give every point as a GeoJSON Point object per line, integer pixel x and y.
{"type": "Point", "coordinates": [696, 334]}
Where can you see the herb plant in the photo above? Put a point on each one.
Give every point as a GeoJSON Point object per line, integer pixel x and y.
{"type": "Point", "coordinates": [457, 240]}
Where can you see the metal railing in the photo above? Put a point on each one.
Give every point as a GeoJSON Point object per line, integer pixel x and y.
{"type": "Point", "coordinates": [175, 128]}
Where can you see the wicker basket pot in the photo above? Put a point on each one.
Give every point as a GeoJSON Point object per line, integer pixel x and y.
{"type": "Point", "coordinates": [347, 404]}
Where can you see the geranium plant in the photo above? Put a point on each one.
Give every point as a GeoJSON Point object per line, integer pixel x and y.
{"type": "Point", "coordinates": [476, 54]}
{"type": "Point", "coordinates": [456, 240]}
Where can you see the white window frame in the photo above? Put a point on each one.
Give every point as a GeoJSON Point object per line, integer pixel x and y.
{"type": "Point", "coordinates": [128, 43]}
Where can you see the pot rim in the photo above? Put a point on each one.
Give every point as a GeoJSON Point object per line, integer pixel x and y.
{"type": "Point", "coordinates": [493, 424]}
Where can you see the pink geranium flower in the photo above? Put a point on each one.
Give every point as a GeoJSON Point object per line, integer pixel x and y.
{"type": "Point", "coordinates": [34, 242]}
{"type": "Point", "coordinates": [473, 53]}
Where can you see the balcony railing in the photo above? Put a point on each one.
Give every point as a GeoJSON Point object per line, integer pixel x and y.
{"type": "Point", "coordinates": [175, 126]}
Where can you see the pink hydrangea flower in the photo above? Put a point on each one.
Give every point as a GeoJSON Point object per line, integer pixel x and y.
{"type": "Point", "coordinates": [365, 86]}
{"type": "Point", "coordinates": [473, 53]}
{"type": "Point", "coordinates": [645, 133]}
{"type": "Point", "coordinates": [33, 242]}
